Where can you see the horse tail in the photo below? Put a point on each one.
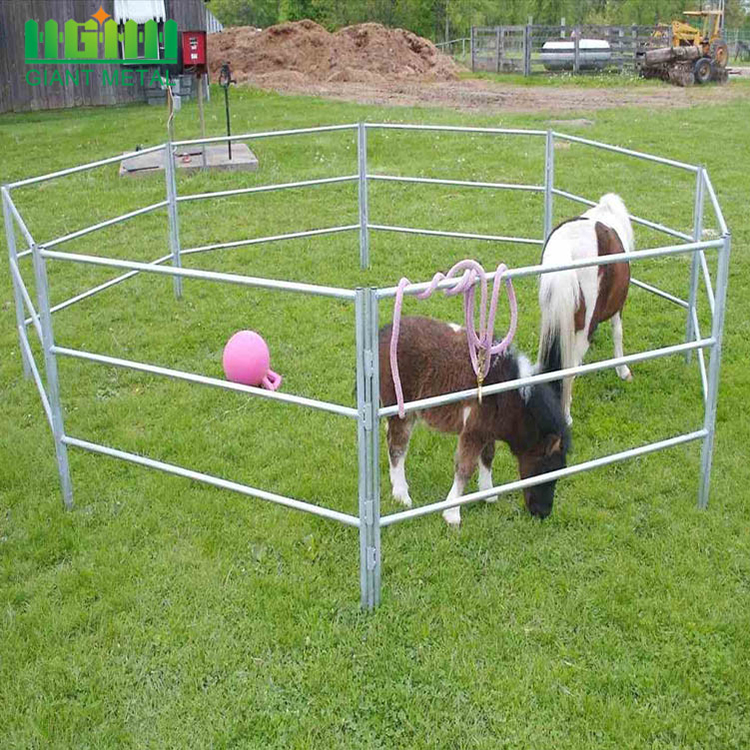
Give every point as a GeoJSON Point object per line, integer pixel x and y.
{"type": "Point", "coordinates": [559, 294]}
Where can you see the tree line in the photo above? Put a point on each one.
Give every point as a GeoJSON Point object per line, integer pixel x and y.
{"type": "Point", "coordinates": [438, 19]}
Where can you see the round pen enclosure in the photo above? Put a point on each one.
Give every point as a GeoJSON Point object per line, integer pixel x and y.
{"type": "Point", "coordinates": [506, 189]}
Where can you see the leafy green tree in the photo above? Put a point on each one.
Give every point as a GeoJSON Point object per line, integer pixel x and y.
{"type": "Point", "coordinates": [433, 18]}
{"type": "Point", "coordinates": [260, 13]}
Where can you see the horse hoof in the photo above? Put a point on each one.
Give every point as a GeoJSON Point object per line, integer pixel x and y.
{"type": "Point", "coordinates": [627, 376]}
{"type": "Point", "coordinates": [452, 517]}
{"type": "Point", "coordinates": [403, 498]}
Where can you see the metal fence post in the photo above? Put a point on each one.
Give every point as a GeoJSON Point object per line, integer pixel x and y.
{"type": "Point", "coordinates": [471, 50]}
{"type": "Point", "coordinates": [527, 41]}
{"type": "Point", "coordinates": [53, 384]}
{"type": "Point", "coordinates": [364, 233]}
{"type": "Point", "coordinates": [497, 49]}
{"type": "Point", "coordinates": [697, 235]}
{"type": "Point", "coordinates": [549, 182]}
{"type": "Point", "coordinates": [174, 221]}
{"type": "Point", "coordinates": [577, 50]}
{"type": "Point", "coordinates": [717, 331]}
{"type": "Point", "coordinates": [10, 235]}
{"type": "Point", "coordinates": [368, 401]}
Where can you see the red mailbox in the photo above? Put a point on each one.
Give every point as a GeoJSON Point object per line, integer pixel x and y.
{"type": "Point", "coordinates": [194, 49]}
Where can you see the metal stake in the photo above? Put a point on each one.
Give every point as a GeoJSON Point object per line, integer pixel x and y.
{"type": "Point", "coordinates": [717, 331]}
{"type": "Point", "coordinates": [174, 222]}
{"type": "Point", "coordinates": [225, 79]}
{"type": "Point", "coordinates": [368, 399]}
{"type": "Point", "coordinates": [694, 265]}
{"type": "Point", "coordinates": [364, 236]}
{"type": "Point", "coordinates": [10, 235]}
{"type": "Point", "coordinates": [202, 120]}
{"type": "Point", "coordinates": [229, 125]}
{"type": "Point", "coordinates": [53, 384]}
{"type": "Point", "coordinates": [549, 182]}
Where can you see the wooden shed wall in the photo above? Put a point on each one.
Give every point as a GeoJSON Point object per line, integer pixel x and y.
{"type": "Point", "coordinates": [16, 95]}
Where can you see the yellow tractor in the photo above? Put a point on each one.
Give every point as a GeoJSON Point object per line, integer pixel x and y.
{"type": "Point", "coordinates": [697, 55]}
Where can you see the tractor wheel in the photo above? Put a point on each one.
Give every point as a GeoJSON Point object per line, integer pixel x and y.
{"type": "Point", "coordinates": [718, 74]}
{"type": "Point", "coordinates": [720, 53]}
{"type": "Point", "coordinates": [702, 70]}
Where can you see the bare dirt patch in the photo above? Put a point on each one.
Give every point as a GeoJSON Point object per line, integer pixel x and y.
{"type": "Point", "coordinates": [475, 95]}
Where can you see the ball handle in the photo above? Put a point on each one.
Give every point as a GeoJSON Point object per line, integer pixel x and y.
{"type": "Point", "coordinates": [271, 381]}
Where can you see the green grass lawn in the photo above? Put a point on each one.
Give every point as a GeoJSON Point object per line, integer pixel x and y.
{"type": "Point", "coordinates": [161, 613]}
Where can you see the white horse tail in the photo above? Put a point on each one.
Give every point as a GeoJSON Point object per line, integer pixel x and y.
{"type": "Point", "coordinates": [559, 294]}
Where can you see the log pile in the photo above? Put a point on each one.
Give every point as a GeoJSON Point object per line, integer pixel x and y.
{"type": "Point", "coordinates": [672, 64]}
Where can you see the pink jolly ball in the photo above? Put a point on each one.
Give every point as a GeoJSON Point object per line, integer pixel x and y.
{"type": "Point", "coordinates": [246, 358]}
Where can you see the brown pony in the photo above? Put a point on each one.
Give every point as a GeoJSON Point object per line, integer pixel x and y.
{"type": "Point", "coordinates": [574, 302]}
{"type": "Point", "coordinates": [433, 359]}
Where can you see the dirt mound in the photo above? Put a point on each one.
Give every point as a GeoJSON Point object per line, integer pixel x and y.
{"type": "Point", "coordinates": [304, 50]}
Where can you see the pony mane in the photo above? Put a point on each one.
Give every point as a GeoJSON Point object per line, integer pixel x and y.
{"type": "Point", "coordinates": [546, 409]}
{"type": "Point", "coordinates": [542, 399]}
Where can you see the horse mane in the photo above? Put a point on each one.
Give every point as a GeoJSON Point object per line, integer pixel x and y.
{"type": "Point", "coordinates": [542, 400]}
{"type": "Point", "coordinates": [546, 409]}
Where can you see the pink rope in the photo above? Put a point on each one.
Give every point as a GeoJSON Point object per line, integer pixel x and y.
{"type": "Point", "coordinates": [481, 342]}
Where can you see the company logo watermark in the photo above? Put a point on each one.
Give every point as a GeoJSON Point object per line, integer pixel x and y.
{"type": "Point", "coordinates": [97, 42]}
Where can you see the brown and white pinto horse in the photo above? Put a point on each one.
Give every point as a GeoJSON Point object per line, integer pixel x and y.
{"type": "Point", "coordinates": [433, 359]}
{"type": "Point", "coordinates": [574, 302]}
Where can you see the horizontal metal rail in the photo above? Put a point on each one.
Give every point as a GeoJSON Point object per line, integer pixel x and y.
{"type": "Point", "coordinates": [193, 273]}
{"type": "Point", "coordinates": [636, 219]}
{"type": "Point", "coordinates": [33, 314]}
{"type": "Point", "coordinates": [701, 355]}
{"type": "Point", "coordinates": [550, 476]}
{"type": "Point", "coordinates": [346, 411]}
{"type": "Point", "coordinates": [715, 203]}
{"type": "Point", "coordinates": [627, 152]}
{"type": "Point", "coordinates": [271, 238]}
{"type": "Point", "coordinates": [452, 129]}
{"type": "Point", "coordinates": [19, 220]}
{"type": "Point", "coordinates": [37, 379]}
{"type": "Point", "coordinates": [458, 235]}
{"type": "Point", "coordinates": [707, 281]}
{"type": "Point", "coordinates": [266, 134]}
{"type": "Point", "coordinates": [198, 476]}
{"type": "Point", "coordinates": [604, 260]}
{"type": "Point", "coordinates": [101, 287]}
{"type": "Point", "coordinates": [82, 167]}
{"type": "Point", "coordinates": [545, 377]}
{"type": "Point", "coordinates": [573, 197]}
{"type": "Point", "coordinates": [659, 292]}
{"type": "Point", "coordinates": [662, 228]}
{"type": "Point", "coordinates": [458, 183]}
{"type": "Point", "coordinates": [105, 224]}
{"type": "Point", "coordinates": [267, 188]}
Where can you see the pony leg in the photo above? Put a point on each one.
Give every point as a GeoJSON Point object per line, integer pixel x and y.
{"type": "Point", "coordinates": [485, 470]}
{"type": "Point", "coordinates": [622, 370]}
{"type": "Point", "coordinates": [469, 448]}
{"type": "Point", "coordinates": [399, 433]}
